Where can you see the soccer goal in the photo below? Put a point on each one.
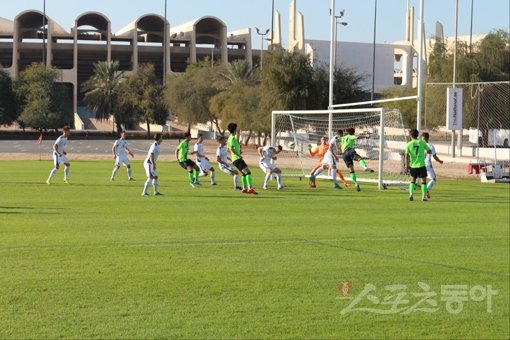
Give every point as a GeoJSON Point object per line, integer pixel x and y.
{"type": "Point", "coordinates": [382, 146]}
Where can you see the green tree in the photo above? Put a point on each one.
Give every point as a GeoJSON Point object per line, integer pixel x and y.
{"type": "Point", "coordinates": [407, 107]}
{"type": "Point", "coordinates": [8, 109]}
{"type": "Point", "coordinates": [44, 102]}
{"type": "Point", "coordinates": [493, 56]}
{"type": "Point", "coordinates": [188, 94]}
{"type": "Point", "coordinates": [100, 89]}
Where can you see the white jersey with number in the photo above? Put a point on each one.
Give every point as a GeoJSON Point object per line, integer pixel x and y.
{"type": "Point", "coordinates": [221, 153]}
{"type": "Point", "coordinates": [428, 162]}
{"type": "Point", "coordinates": [58, 151]}
{"type": "Point", "coordinates": [154, 149]}
{"type": "Point", "coordinates": [329, 158]}
{"type": "Point", "coordinates": [120, 146]}
{"type": "Point", "coordinates": [202, 162]}
{"type": "Point", "coordinates": [268, 152]}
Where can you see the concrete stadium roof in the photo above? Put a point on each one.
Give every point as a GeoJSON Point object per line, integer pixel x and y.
{"type": "Point", "coordinates": [204, 25]}
{"type": "Point", "coordinates": [6, 26]}
{"type": "Point", "coordinates": [149, 23]}
{"type": "Point", "coordinates": [94, 19]}
{"type": "Point", "coordinates": [33, 19]}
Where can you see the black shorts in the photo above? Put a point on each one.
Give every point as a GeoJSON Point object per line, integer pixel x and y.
{"type": "Point", "coordinates": [187, 163]}
{"type": "Point", "coordinates": [418, 172]}
{"type": "Point", "coordinates": [240, 164]}
{"type": "Point", "coordinates": [350, 156]}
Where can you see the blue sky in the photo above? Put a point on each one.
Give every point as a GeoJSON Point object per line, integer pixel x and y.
{"type": "Point", "coordinates": [237, 14]}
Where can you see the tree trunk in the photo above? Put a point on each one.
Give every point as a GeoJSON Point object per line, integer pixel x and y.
{"type": "Point", "coordinates": [119, 127]}
{"type": "Point", "coordinates": [265, 139]}
{"type": "Point", "coordinates": [248, 138]}
{"type": "Point", "coordinates": [148, 129]}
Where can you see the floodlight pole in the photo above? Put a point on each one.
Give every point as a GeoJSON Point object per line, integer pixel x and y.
{"type": "Point", "coordinates": [331, 52]}
{"type": "Point", "coordinates": [262, 35]}
{"type": "Point", "coordinates": [420, 70]}
{"type": "Point", "coordinates": [44, 34]}
{"type": "Point", "coordinates": [272, 24]}
{"type": "Point", "coordinates": [373, 52]}
{"type": "Point", "coordinates": [165, 43]}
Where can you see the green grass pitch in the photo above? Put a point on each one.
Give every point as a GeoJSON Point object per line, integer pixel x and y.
{"type": "Point", "coordinates": [93, 259]}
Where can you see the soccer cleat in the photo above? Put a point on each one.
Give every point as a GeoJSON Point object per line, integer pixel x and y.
{"type": "Point", "coordinates": [428, 194]}
{"type": "Point", "coordinates": [112, 179]}
{"type": "Point", "coordinates": [245, 191]}
{"type": "Point", "coordinates": [191, 184]}
{"type": "Point", "coordinates": [337, 186]}
{"type": "Point", "coordinates": [347, 184]}
{"type": "Point", "coordinates": [264, 187]}
{"type": "Point", "coordinates": [252, 191]}
{"type": "Point", "coordinates": [238, 188]}
{"type": "Point", "coordinates": [144, 194]}
{"type": "Point", "coordinates": [411, 198]}
{"type": "Point", "coordinates": [131, 179]}
{"type": "Point", "coordinates": [358, 189]}
{"type": "Point", "coordinates": [281, 188]}
{"type": "Point", "coordinates": [66, 181]}
{"type": "Point", "coordinates": [214, 183]}
{"type": "Point", "coordinates": [369, 170]}
{"type": "Point", "coordinates": [424, 199]}
{"type": "Point", "coordinates": [158, 194]}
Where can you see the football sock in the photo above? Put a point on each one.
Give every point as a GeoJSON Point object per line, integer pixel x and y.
{"type": "Point", "coordinates": [195, 175]}
{"type": "Point", "coordinates": [129, 172]}
{"type": "Point", "coordinates": [279, 180]}
{"type": "Point", "coordinates": [148, 182]}
{"type": "Point", "coordinates": [66, 172]}
{"type": "Point", "coordinates": [431, 184]}
{"type": "Point", "coordinates": [155, 183]}
{"type": "Point", "coordinates": [363, 164]}
{"type": "Point", "coordinates": [114, 171]}
{"type": "Point", "coordinates": [318, 172]}
{"type": "Point", "coordinates": [334, 176]}
{"type": "Point", "coordinates": [245, 181]}
{"type": "Point", "coordinates": [266, 179]}
{"type": "Point", "coordinates": [412, 186]}
{"type": "Point", "coordinates": [249, 180]}
{"type": "Point", "coordinates": [423, 190]}
{"type": "Point", "coordinates": [236, 180]}
{"type": "Point", "coordinates": [52, 173]}
{"type": "Point", "coordinates": [342, 178]}
{"type": "Point", "coordinates": [354, 178]}
{"type": "Point", "coordinates": [212, 176]}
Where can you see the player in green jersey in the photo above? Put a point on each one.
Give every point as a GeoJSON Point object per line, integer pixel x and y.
{"type": "Point", "coordinates": [237, 160]}
{"type": "Point", "coordinates": [350, 155]}
{"type": "Point", "coordinates": [415, 151]}
{"type": "Point", "coordinates": [181, 153]}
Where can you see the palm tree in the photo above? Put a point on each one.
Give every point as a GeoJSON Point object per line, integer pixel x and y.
{"type": "Point", "coordinates": [100, 89]}
{"type": "Point", "coordinates": [238, 71]}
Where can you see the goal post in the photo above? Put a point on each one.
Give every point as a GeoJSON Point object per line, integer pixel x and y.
{"type": "Point", "coordinates": [382, 146]}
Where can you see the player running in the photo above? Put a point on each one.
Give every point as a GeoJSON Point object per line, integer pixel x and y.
{"type": "Point", "coordinates": [150, 166]}
{"type": "Point", "coordinates": [60, 155]}
{"type": "Point", "coordinates": [415, 159]}
{"type": "Point", "coordinates": [431, 174]}
{"type": "Point", "coordinates": [202, 160]}
{"type": "Point", "coordinates": [320, 151]}
{"type": "Point", "coordinates": [181, 153]}
{"type": "Point", "coordinates": [237, 160]}
{"type": "Point", "coordinates": [119, 154]}
{"type": "Point", "coordinates": [223, 159]}
{"type": "Point", "coordinates": [267, 154]}
{"type": "Point", "coordinates": [350, 155]}
{"type": "Point", "coordinates": [329, 161]}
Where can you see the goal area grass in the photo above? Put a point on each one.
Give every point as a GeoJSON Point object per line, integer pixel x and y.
{"type": "Point", "coordinates": [94, 259]}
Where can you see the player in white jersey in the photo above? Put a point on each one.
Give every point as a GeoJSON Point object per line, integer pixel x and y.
{"type": "Point", "coordinates": [202, 159]}
{"type": "Point", "coordinates": [150, 166]}
{"type": "Point", "coordinates": [60, 155]}
{"type": "Point", "coordinates": [431, 174]}
{"type": "Point", "coordinates": [267, 155]}
{"type": "Point", "coordinates": [223, 162]}
{"type": "Point", "coordinates": [329, 161]}
{"type": "Point", "coordinates": [119, 154]}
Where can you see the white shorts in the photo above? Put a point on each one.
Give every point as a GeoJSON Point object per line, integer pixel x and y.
{"type": "Point", "coordinates": [430, 172]}
{"type": "Point", "coordinates": [149, 170]}
{"type": "Point", "coordinates": [204, 165]}
{"type": "Point", "coordinates": [226, 169]}
{"type": "Point", "coordinates": [266, 166]}
{"type": "Point", "coordinates": [329, 160]}
{"type": "Point", "coordinates": [121, 160]}
{"type": "Point", "coordinates": [59, 159]}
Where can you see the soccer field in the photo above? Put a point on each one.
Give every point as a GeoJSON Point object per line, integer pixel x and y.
{"type": "Point", "coordinates": [94, 259]}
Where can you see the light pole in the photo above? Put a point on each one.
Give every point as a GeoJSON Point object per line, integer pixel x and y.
{"type": "Point", "coordinates": [272, 25]}
{"type": "Point", "coordinates": [335, 38]}
{"type": "Point", "coordinates": [44, 34]}
{"type": "Point", "coordinates": [165, 44]}
{"type": "Point", "coordinates": [373, 52]}
{"type": "Point", "coordinates": [262, 35]}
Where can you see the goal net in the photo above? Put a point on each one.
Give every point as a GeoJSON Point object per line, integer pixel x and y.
{"type": "Point", "coordinates": [383, 145]}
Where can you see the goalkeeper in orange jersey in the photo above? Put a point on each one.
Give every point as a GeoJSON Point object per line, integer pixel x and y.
{"type": "Point", "coordinates": [320, 150]}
